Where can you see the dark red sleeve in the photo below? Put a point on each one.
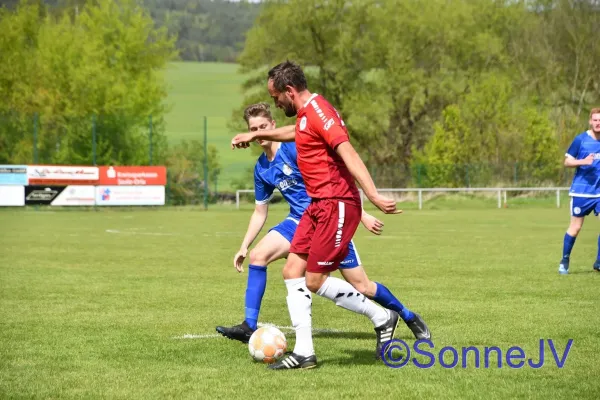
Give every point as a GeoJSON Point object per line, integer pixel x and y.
{"type": "Point", "coordinates": [331, 130]}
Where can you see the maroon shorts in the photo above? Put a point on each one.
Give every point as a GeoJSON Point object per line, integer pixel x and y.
{"type": "Point", "coordinates": [324, 232]}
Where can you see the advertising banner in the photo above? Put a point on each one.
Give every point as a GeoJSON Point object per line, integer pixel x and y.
{"type": "Point", "coordinates": [13, 175]}
{"type": "Point", "coordinates": [133, 176]}
{"type": "Point", "coordinates": [130, 195]}
{"type": "Point", "coordinates": [75, 196]}
{"type": "Point", "coordinates": [12, 196]}
{"type": "Point", "coordinates": [41, 194]}
{"type": "Point", "coordinates": [62, 175]}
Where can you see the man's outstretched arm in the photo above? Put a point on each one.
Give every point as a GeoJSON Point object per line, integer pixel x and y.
{"type": "Point", "coordinates": [284, 134]}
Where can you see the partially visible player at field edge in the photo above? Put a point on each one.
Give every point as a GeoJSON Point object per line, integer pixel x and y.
{"type": "Point", "coordinates": [277, 168]}
{"type": "Point", "coordinates": [329, 166]}
{"type": "Point", "coordinates": [583, 154]}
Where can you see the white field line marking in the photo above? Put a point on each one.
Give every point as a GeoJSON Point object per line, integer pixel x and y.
{"type": "Point", "coordinates": [139, 233]}
{"type": "Point", "coordinates": [135, 231]}
{"type": "Point", "coordinates": [192, 336]}
{"type": "Point", "coordinates": [289, 329]}
{"type": "Point", "coordinates": [221, 234]}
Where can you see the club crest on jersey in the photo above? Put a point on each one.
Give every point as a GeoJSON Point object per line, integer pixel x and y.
{"type": "Point", "coordinates": [287, 170]}
{"type": "Point", "coordinates": [302, 123]}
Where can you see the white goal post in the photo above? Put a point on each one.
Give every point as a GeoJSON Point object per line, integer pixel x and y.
{"type": "Point", "coordinates": [500, 191]}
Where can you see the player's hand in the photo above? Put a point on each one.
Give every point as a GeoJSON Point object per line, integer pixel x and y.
{"type": "Point", "coordinates": [242, 140]}
{"type": "Point", "coordinates": [385, 204]}
{"type": "Point", "coordinates": [238, 260]}
{"type": "Point", "coordinates": [372, 224]}
{"type": "Point", "coordinates": [589, 160]}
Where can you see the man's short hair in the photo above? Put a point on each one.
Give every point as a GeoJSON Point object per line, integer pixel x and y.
{"type": "Point", "coordinates": [594, 111]}
{"type": "Point", "coordinates": [258, 110]}
{"type": "Point", "coordinates": [287, 73]}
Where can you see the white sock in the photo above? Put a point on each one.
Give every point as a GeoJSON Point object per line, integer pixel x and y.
{"type": "Point", "coordinates": [346, 296]}
{"type": "Point", "coordinates": [299, 301]}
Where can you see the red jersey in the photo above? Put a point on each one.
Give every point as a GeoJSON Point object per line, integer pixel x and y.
{"type": "Point", "coordinates": [319, 129]}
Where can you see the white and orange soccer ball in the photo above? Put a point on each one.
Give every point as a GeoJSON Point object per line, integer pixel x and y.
{"type": "Point", "coordinates": [267, 344]}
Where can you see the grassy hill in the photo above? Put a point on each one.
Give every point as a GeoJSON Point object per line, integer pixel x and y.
{"type": "Point", "coordinates": [212, 90]}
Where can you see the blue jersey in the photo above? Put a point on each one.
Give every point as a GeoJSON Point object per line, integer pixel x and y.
{"type": "Point", "coordinates": [281, 173]}
{"type": "Point", "coordinates": [586, 182]}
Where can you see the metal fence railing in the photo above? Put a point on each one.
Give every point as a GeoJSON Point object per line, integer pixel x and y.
{"type": "Point", "coordinates": [501, 192]}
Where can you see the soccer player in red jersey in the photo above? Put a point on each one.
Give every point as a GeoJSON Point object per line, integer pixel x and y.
{"type": "Point", "coordinates": [329, 166]}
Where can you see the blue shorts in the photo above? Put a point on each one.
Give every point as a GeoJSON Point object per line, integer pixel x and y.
{"type": "Point", "coordinates": [582, 206]}
{"type": "Point", "coordinates": [287, 229]}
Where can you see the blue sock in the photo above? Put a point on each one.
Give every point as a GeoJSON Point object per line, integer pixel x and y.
{"type": "Point", "coordinates": [386, 299]}
{"type": "Point", "coordinates": [598, 256]}
{"type": "Point", "coordinates": [568, 243]}
{"type": "Point", "coordinates": [255, 289]}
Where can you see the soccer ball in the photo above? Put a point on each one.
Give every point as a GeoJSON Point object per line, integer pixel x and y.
{"type": "Point", "coordinates": [267, 344]}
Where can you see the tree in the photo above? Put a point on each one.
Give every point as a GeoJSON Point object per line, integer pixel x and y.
{"type": "Point", "coordinates": [540, 152]}
{"type": "Point", "coordinates": [390, 84]}
{"type": "Point", "coordinates": [106, 61]}
{"type": "Point", "coordinates": [186, 165]}
{"type": "Point", "coordinates": [403, 73]}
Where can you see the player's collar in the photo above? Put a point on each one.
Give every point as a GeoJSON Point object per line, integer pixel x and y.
{"type": "Point", "coordinates": [274, 154]}
{"type": "Point", "coordinates": [591, 134]}
{"type": "Point", "coordinates": [310, 99]}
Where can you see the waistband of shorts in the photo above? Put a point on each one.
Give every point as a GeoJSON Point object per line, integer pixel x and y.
{"type": "Point", "coordinates": [346, 200]}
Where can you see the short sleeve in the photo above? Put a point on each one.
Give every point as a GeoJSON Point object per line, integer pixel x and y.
{"type": "Point", "coordinates": [330, 127]}
{"type": "Point", "coordinates": [573, 150]}
{"type": "Point", "coordinates": [262, 191]}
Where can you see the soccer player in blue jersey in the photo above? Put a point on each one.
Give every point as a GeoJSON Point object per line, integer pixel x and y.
{"type": "Point", "coordinates": [583, 154]}
{"type": "Point", "coordinates": [277, 168]}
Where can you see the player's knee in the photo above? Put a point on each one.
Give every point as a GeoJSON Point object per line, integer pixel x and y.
{"type": "Point", "coordinates": [313, 285]}
{"type": "Point", "coordinates": [258, 257]}
{"type": "Point", "coordinates": [294, 267]}
{"type": "Point", "coordinates": [291, 272]}
{"type": "Point", "coordinates": [574, 229]}
{"type": "Point", "coordinates": [315, 281]}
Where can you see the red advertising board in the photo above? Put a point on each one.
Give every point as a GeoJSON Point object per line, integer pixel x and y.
{"type": "Point", "coordinates": [133, 176]}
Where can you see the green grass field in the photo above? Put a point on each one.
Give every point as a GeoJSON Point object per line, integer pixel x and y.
{"type": "Point", "coordinates": [212, 90]}
{"type": "Point", "coordinates": [94, 304]}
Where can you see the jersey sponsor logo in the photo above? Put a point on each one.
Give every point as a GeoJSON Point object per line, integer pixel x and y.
{"type": "Point", "coordinates": [323, 117]}
{"type": "Point", "coordinates": [287, 170]}
{"type": "Point", "coordinates": [286, 184]}
{"type": "Point", "coordinates": [303, 123]}
{"type": "Point", "coordinates": [318, 110]}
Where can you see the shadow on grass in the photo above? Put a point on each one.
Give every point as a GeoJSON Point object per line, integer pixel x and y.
{"type": "Point", "coordinates": [589, 271]}
{"type": "Point", "coordinates": [355, 335]}
{"type": "Point", "coordinates": [351, 357]}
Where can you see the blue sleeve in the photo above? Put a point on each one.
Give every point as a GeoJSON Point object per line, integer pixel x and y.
{"type": "Point", "coordinates": [574, 147]}
{"type": "Point", "coordinates": [262, 191]}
